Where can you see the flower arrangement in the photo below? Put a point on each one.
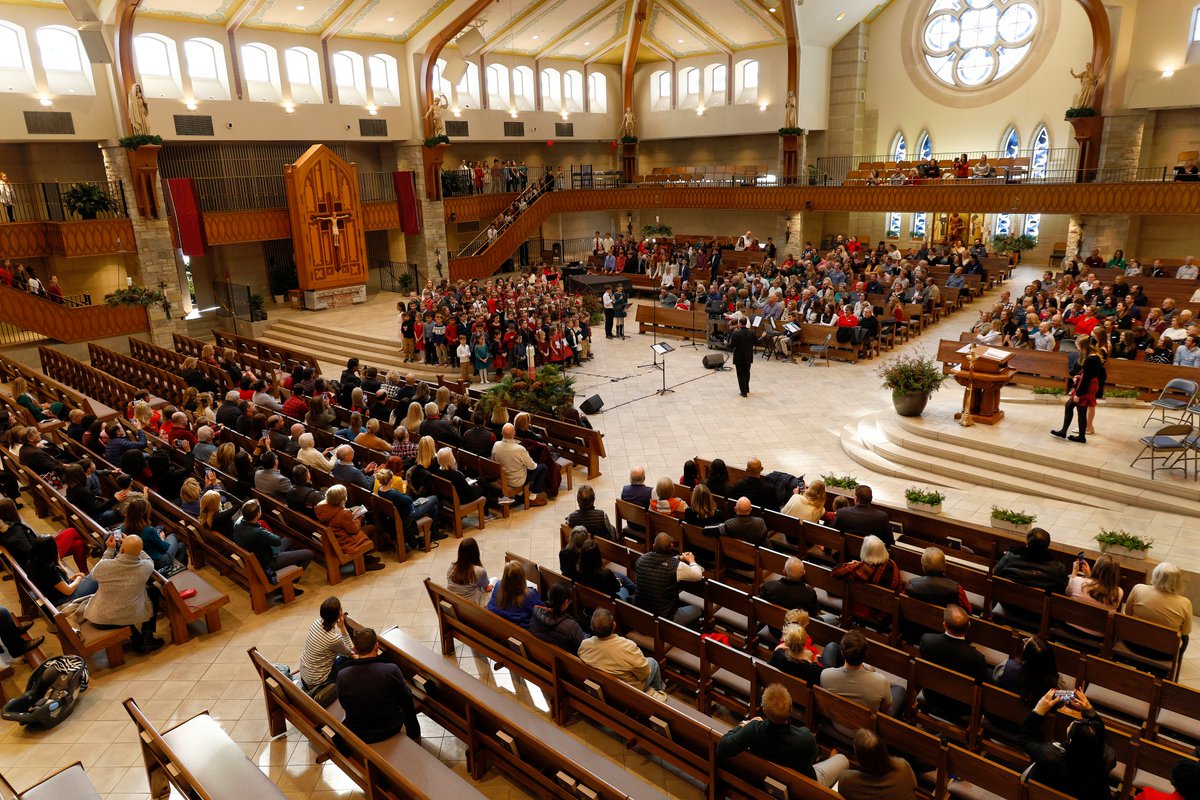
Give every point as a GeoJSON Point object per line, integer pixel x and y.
{"type": "Point", "coordinates": [629, 139]}
{"type": "Point", "coordinates": [1013, 244]}
{"type": "Point", "coordinates": [139, 139]}
{"type": "Point", "coordinates": [658, 231]}
{"type": "Point", "coordinates": [840, 481]}
{"type": "Point", "coordinates": [1018, 518]}
{"type": "Point", "coordinates": [547, 390]}
{"type": "Point", "coordinates": [791, 131]}
{"type": "Point", "coordinates": [139, 296]}
{"type": "Point", "coordinates": [912, 373]}
{"type": "Point", "coordinates": [1123, 538]}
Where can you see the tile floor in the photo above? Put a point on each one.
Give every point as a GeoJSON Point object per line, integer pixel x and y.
{"type": "Point", "coordinates": [791, 421]}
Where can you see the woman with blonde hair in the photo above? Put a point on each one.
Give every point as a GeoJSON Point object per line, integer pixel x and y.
{"type": "Point", "coordinates": [793, 656]}
{"type": "Point", "coordinates": [664, 501]}
{"type": "Point", "coordinates": [442, 398]}
{"type": "Point", "coordinates": [808, 505]}
{"type": "Point", "coordinates": [345, 523]}
{"type": "Point", "coordinates": [212, 518]}
{"type": "Point", "coordinates": [223, 458]}
{"type": "Point", "coordinates": [1097, 585]}
{"type": "Point", "coordinates": [513, 598]}
{"type": "Point", "coordinates": [420, 483]}
{"type": "Point", "coordinates": [40, 411]}
{"type": "Point", "coordinates": [414, 418]}
{"type": "Point", "coordinates": [189, 496]}
{"type": "Point", "coordinates": [703, 510]}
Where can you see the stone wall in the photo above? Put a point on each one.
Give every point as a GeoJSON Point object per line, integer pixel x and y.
{"type": "Point", "coordinates": [847, 85]}
{"type": "Point", "coordinates": [425, 248]}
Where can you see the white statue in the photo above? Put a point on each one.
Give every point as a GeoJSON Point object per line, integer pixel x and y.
{"type": "Point", "coordinates": [439, 104]}
{"type": "Point", "coordinates": [789, 112]}
{"type": "Point", "coordinates": [627, 123]}
{"type": "Point", "coordinates": [139, 112]}
{"type": "Point", "coordinates": [1087, 86]}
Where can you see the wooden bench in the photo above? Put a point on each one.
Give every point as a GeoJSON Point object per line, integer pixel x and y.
{"type": "Point", "coordinates": [69, 783]}
{"type": "Point", "coordinates": [285, 357]}
{"type": "Point", "coordinates": [199, 759]}
{"type": "Point", "coordinates": [160, 382]}
{"type": "Point", "coordinates": [398, 768]}
{"type": "Point", "coordinates": [453, 507]}
{"type": "Point", "coordinates": [113, 394]}
{"type": "Point", "coordinates": [580, 445]}
{"type": "Point", "coordinates": [671, 321]}
{"type": "Point", "coordinates": [52, 391]}
{"type": "Point", "coordinates": [187, 346]}
{"type": "Point", "coordinates": [172, 361]}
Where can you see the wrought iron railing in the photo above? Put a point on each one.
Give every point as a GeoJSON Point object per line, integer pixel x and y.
{"type": "Point", "coordinates": [233, 302]}
{"type": "Point", "coordinates": [396, 276]}
{"type": "Point", "coordinates": [497, 225]}
{"type": "Point", "coordinates": [253, 192]}
{"type": "Point", "coordinates": [50, 201]}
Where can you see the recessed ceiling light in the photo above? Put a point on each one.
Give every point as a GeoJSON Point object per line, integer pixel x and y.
{"type": "Point", "coordinates": [841, 16]}
{"type": "Point", "coordinates": [535, 37]}
{"type": "Point", "coordinates": [391, 19]}
{"type": "Point", "coordinates": [585, 44]}
{"type": "Point", "coordinates": [771, 9]}
{"type": "Point", "coordinates": [680, 41]}
{"type": "Point", "coordinates": [299, 8]}
{"type": "Point", "coordinates": [1167, 73]}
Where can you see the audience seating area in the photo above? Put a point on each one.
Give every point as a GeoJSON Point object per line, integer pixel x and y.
{"type": "Point", "coordinates": [734, 174]}
{"type": "Point", "coordinates": [1008, 170]}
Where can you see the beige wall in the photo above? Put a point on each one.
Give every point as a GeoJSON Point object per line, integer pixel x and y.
{"type": "Point", "coordinates": [1167, 237]}
{"type": "Point", "coordinates": [1157, 40]}
{"type": "Point", "coordinates": [710, 151]}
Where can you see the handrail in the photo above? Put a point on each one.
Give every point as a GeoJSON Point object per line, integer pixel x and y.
{"type": "Point", "coordinates": [69, 323]}
{"type": "Point", "coordinates": [473, 248]}
{"type": "Point", "coordinates": [43, 201]}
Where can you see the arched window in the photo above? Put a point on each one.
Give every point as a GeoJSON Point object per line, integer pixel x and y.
{"type": "Point", "coordinates": [153, 55]}
{"type": "Point", "coordinates": [350, 78]}
{"type": "Point", "coordinates": [64, 60]}
{"type": "Point", "coordinates": [572, 90]}
{"type": "Point", "coordinates": [919, 223]}
{"type": "Point", "coordinates": [468, 87]}
{"type": "Point", "coordinates": [660, 91]}
{"type": "Point", "coordinates": [1193, 51]}
{"type": "Point", "coordinates": [385, 86]}
{"type": "Point", "coordinates": [551, 90]}
{"type": "Point", "coordinates": [205, 60]}
{"type": "Point", "coordinates": [689, 88]}
{"type": "Point", "coordinates": [893, 225]}
{"type": "Point", "coordinates": [16, 73]}
{"type": "Point", "coordinates": [303, 74]}
{"type": "Point", "coordinates": [1010, 145]}
{"type": "Point", "coordinates": [1196, 25]}
{"type": "Point", "coordinates": [746, 73]}
{"type": "Point", "coordinates": [899, 151]}
{"type": "Point", "coordinates": [924, 146]}
{"type": "Point", "coordinates": [717, 84]}
{"type": "Point", "coordinates": [597, 93]}
{"type": "Point", "coordinates": [1040, 158]}
{"type": "Point", "coordinates": [1003, 224]}
{"type": "Point", "coordinates": [260, 69]}
{"type": "Point", "coordinates": [968, 45]}
{"type": "Point", "coordinates": [441, 86]}
{"type": "Point", "coordinates": [497, 87]}
{"type": "Point", "coordinates": [522, 82]}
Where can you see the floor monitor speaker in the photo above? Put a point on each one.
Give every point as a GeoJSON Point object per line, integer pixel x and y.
{"type": "Point", "coordinates": [714, 361]}
{"type": "Point", "coordinates": [592, 404]}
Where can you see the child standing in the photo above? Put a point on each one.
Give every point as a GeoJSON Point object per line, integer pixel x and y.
{"type": "Point", "coordinates": [481, 356]}
{"type": "Point", "coordinates": [463, 351]}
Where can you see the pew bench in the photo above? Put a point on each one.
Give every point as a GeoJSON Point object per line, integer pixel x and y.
{"type": "Point", "coordinates": [69, 783]}
{"type": "Point", "coordinates": [671, 321]}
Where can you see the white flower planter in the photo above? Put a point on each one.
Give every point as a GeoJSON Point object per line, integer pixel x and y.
{"type": "Point", "coordinates": [926, 507]}
{"type": "Point", "coordinates": [1122, 552]}
{"type": "Point", "coordinates": [1121, 402]}
{"type": "Point", "coordinates": [1005, 525]}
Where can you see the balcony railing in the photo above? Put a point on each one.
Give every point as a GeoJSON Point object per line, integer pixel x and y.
{"type": "Point", "coordinates": [44, 201]}
{"type": "Point", "coordinates": [458, 182]}
{"type": "Point", "coordinates": [255, 192]}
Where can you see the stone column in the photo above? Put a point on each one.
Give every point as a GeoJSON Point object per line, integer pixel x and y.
{"type": "Point", "coordinates": [793, 225]}
{"type": "Point", "coordinates": [1121, 147]}
{"type": "Point", "coordinates": [424, 248]}
{"type": "Point", "coordinates": [155, 265]}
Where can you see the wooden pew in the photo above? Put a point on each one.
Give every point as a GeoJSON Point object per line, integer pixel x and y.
{"type": "Point", "coordinates": [285, 357]}
{"type": "Point", "coordinates": [69, 783]}
{"type": "Point", "coordinates": [325, 543]}
{"type": "Point", "coordinates": [671, 321]}
{"type": "Point", "coordinates": [87, 380]}
{"type": "Point", "coordinates": [172, 361]}
{"type": "Point", "coordinates": [398, 768]}
{"type": "Point", "coordinates": [161, 382]}
{"type": "Point", "coordinates": [50, 390]}
{"type": "Point", "coordinates": [199, 759]}
{"type": "Point", "coordinates": [580, 445]}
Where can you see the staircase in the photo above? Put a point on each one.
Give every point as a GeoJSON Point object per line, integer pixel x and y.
{"type": "Point", "coordinates": [64, 323]}
{"type": "Point", "coordinates": [333, 348]}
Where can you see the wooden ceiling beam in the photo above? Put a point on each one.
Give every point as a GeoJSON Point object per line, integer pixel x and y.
{"type": "Point", "coordinates": [792, 37]}
{"type": "Point", "coordinates": [603, 51]}
{"type": "Point", "coordinates": [661, 49]}
{"type": "Point", "coordinates": [434, 49]}
{"type": "Point", "coordinates": [690, 21]}
{"type": "Point", "coordinates": [568, 33]}
{"type": "Point", "coordinates": [639, 10]}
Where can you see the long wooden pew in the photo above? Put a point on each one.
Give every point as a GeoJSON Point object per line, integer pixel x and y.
{"type": "Point", "coordinates": [162, 382]}
{"type": "Point", "coordinates": [69, 783]}
{"type": "Point", "coordinates": [187, 346]}
{"type": "Point", "coordinates": [172, 361]}
{"type": "Point", "coordinates": [398, 768]}
{"type": "Point", "coordinates": [90, 381]}
{"type": "Point", "coordinates": [285, 357]}
{"type": "Point", "coordinates": [199, 759]}
{"type": "Point", "coordinates": [52, 391]}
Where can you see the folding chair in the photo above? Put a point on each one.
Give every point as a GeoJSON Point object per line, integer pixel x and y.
{"type": "Point", "coordinates": [818, 350]}
{"type": "Point", "coordinates": [1163, 404]}
{"type": "Point", "coordinates": [1169, 439]}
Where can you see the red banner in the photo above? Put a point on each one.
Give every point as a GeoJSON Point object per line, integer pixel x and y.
{"type": "Point", "coordinates": [406, 195]}
{"type": "Point", "coordinates": [189, 219]}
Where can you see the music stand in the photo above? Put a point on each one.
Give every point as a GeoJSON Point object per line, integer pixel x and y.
{"type": "Point", "coordinates": [654, 332]}
{"type": "Point", "coordinates": [661, 349]}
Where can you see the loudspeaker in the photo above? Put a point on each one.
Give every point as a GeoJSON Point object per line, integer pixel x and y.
{"type": "Point", "coordinates": [592, 404]}
{"type": "Point", "coordinates": [455, 68]}
{"type": "Point", "coordinates": [714, 361]}
{"type": "Point", "coordinates": [95, 43]}
{"type": "Point", "coordinates": [470, 42]}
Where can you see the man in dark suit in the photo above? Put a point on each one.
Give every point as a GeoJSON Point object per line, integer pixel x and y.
{"type": "Point", "coordinates": [791, 591]}
{"type": "Point", "coordinates": [761, 492]}
{"type": "Point", "coordinates": [744, 526]}
{"type": "Point", "coordinates": [951, 650]}
{"type": "Point", "coordinates": [741, 342]}
{"type": "Point", "coordinates": [442, 430]}
{"type": "Point", "coordinates": [864, 519]}
{"type": "Point", "coordinates": [636, 491]}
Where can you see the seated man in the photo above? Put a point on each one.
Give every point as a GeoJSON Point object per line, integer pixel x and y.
{"type": "Point", "coordinates": [790, 591]}
{"type": "Point", "coordinates": [518, 466]}
{"type": "Point", "coordinates": [594, 519]}
{"type": "Point", "coordinates": [443, 431]}
{"type": "Point", "coordinates": [269, 480]}
{"type": "Point", "coordinates": [775, 738]}
{"type": "Point", "coordinates": [659, 572]}
{"type": "Point", "coordinates": [850, 677]}
{"type": "Point", "coordinates": [303, 496]}
{"type": "Point", "coordinates": [122, 598]}
{"type": "Point", "coordinates": [743, 525]}
{"type": "Point", "coordinates": [1033, 565]}
{"type": "Point", "coordinates": [36, 453]}
{"type": "Point", "coordinates": [950, 649]}
{"type": "Point", "coordinates": [204, 449]}
{"type": "Point", "coordinates": [933, 586]}
{"type": "Point", "coordinates": [346, 471]}
{"type": "Point", "coordinates": [374, 695]}
{"type": "Point", "coordinates": [273, 552]}
{"type": "Point", "coordinates": [864, 519]}
{"type": "Point", "coordinates": [636, 491]}
{"type": "Point", "coordinates": [618, 656]}
{"type": "Point", "coordinates": [761, 492]}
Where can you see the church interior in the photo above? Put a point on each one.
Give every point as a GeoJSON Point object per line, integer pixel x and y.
{"type": "Point", "coordinates": [567, 384]}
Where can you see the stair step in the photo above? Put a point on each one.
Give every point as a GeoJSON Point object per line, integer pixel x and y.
{"type": "Point", "coordinates": [861, 454]}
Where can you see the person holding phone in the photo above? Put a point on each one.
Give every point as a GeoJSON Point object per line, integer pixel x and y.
{"type": "Point", "coordinates": [1078, 766]}
{"type": "Point", "coordinates": [327, 648]}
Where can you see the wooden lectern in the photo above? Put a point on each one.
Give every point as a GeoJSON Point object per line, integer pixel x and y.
{"type": "Point", "coordinates": [983, 373]}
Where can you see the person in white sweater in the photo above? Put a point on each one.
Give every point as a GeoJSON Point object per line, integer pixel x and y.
{"type": "Point", "coordinates": [618, 656]}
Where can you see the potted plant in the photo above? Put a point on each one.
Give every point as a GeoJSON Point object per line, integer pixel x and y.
{"type": "Point", "coordinates": [1074, 112]}
{"type": "Point", "coordinates": [1049, 394]}
{"type": "Point", "coordinates": [1121, 398]}
{"type": "Point", "coordinates": [1006, 519]}
{"type": "Point", "coordinates": [840, 481]}
{"type": "Point", "coordinates": [139, 139]}
{"type": "Point", "coordinates": [434, 141]}
{"type": "Point", "coordinates": [257, 311]}
{"type": "Point", "coordinates": [87, 200]}
{"type": "Point", "coordinates": [547, 390]}
{"type": "Point", "coordinates": [911, 377]}
{"type": "Point", "coordinates": [1014, 245]}
{"type": "Point", "coordinates": [813, 174]}
{"type": "Point", "coordinates": [1123, 543]}
{"type": "Point", "coordinates": [927, 500]}
{"type": "Point", "coordinates": [629, 139]}
{"type": "Point", "coordinates": [658, 231]}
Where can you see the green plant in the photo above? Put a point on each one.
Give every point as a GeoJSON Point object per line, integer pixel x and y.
{"type": "Point", "coordinates": [139, 139]}
{"type": "Point", "coordinates": [791, 131]}
{"type": "Point", "coordinates": [1123, 538]}
{"type": "Point", "coordinates": [139, 296]}
{"type": "Point", "coordinates": [629, 139]}
{"type": "Point", "coordinates": [1015, 517]}
{"type": "Point", "coordinates": [545, 391]}
{"type": "Point", "coordinates": [928, 497]}
{"type": "Point", "coordinates": [593, 308]}
{"type": "Point", "coordinates": [434, 141]}
{"type": "Point", "coordinates": [912, 373]}
{"type": "Point", "coordinates": [1122, 393]}
{"type": "Point", "coordinates": [658, 231]}
{"type": "Point", "coordinates": [1014, 244]}
{"type": "Point", "coordinates": [840, 481]}
{"type": "Point", "coordinates": [1080, 111]}
{"type": "Point", "coordinates": [1056, 391]}
{"type": "Point", "coordinates": [257, 308]}
{"type": "Point", "coordinates": [87, 200]}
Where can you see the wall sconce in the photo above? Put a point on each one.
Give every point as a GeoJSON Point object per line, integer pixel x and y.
{"type": "Point", "coordinates": [762, 106]}
{"type": "Point", "coordinates": [456, 112]}
{"type": "Point", "coordinates": [190, 105]}
{"type": "Point", "coordinates": [1168, 73]}
{"type": "Point", "coordinates": [289, 108]}
{"type": "Point", "coordinates": [372, 110]}
{"type": "Point", "coordinates": [564, 116]}
{"type": "Point", "coordinates": [46, 101]}
{"type": "Point", "coordinates": [700, 111]}
{"type": "Point", "coordinates": [512, 112]}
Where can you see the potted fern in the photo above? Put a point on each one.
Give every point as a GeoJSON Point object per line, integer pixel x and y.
{"type": "Point", "coordinates": [1123, 543]}
{"type": "Point", "coordinates": [1006, 519]}
{"type": "Point", "coordinates": [840, 481]}
{"type": "Point", "coordinates": [87, 200]}
{"type": "Point", "coordinates": [927, 500]}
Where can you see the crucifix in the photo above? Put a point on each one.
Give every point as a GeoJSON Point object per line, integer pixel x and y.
{"type": "Point", "coordinates": [329, 213]}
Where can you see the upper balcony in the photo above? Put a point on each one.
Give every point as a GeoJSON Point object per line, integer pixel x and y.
{"type": "Point", "coordinates": [64, 218]}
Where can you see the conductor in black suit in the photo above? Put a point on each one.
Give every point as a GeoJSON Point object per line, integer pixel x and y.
{"type": "Point", "coordinates": [741, 341]}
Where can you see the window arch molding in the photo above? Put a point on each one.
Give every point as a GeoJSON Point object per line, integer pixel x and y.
{"type": "Point", "coordinates": [912, 54]}
{"type": "Point", "coordinates": [303, 70]}
{"type": "Point", "coordinates": [16, 67]}
{"type": "Point", "coordinates": [204, 65]}
{"type": "Point", "coordinates": [63, 59]}
{"type": "Point", "coordinates": [899, 148]}
{"type": "Point", "coordinates": [1010, 142]}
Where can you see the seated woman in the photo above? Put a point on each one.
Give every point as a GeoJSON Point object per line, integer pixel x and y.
{"type": "Point", "coordinates": [420, 481]}
{"type": "Point", "coordinates": [808, 505]}
{"type": "Point", "coordinates": [664, 501]}
{"type": "Point", "coordinates": [593, 574]}
{"type": "Point", "coordinates": [346, 525]}
{"type": "Point", "coordinates": [327, 648]}
{"type": "Point", "coordinates": [874, 566]}
{"type": "Point", "coordinates": [466, 576]}
{"type": "Point", "coordinates": [45, 572]}
{"type": "Point", "coordinates": [791, 656]}
{"type": "Point", "coordinates": [18, 538]}
{"type": "Point", "coordinates": [1077, 766]}
{"type": "Point", "coordinates": [568, 557]}
{"type": "Point", "coordinates": [80, 495]}
{"type": "Point", "coordinates": [212, 518]}
{"type": "Point", "coordinates": [703, 511]}
{"type": "Point", "coordinates": [189, 496]}
{"type": "Point", "coordinates": [718, 478]}
{"type": "Point", "coordinates": [1160, 601]}
{"type": "Point", "coordinates": [40, 411]}
{"type": "Point", "coordinates": [513, 598]}
{"type": "Point", "coordinates": [163, 550]}
{"type": "Point", "coordinates": [1098, 585]}
{"type": "Point", "coordinates": [1031, 674]}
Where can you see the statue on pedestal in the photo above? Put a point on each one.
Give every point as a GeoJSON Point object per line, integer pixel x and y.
{"type": "Point", "coordinates": [434, 113]}
{"type": "Point", "coordinates": [789, 112]}
{"type": "Point", "coordinates": [628, 123]}
{"type": "Point", "coordinates": [1087, 86]}
{"type": "Point", "coordinates": [139, 112]}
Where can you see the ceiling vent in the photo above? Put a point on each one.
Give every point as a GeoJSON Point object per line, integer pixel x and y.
{"type": "Point", "coordinates": [193, 125]}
